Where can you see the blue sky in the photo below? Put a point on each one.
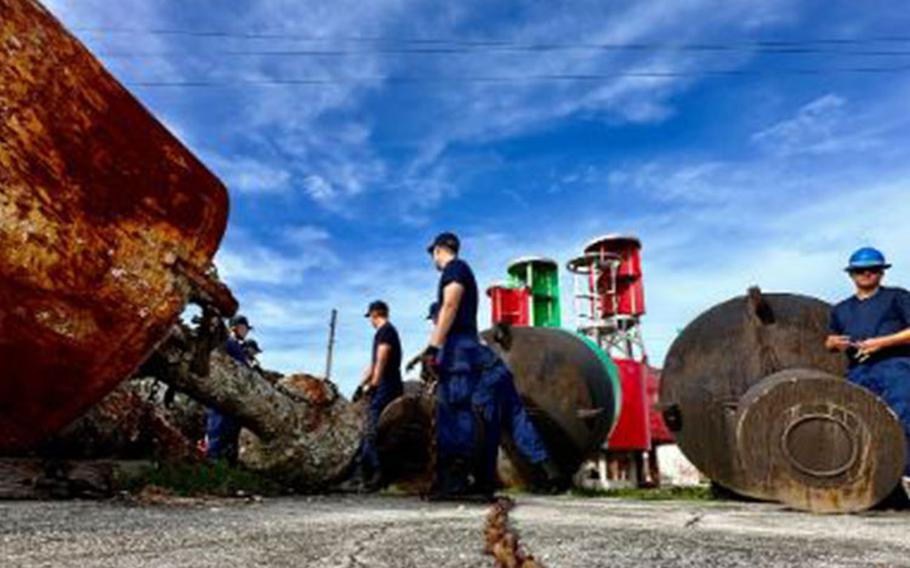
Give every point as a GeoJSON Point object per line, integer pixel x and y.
{"type": "Point", "coordinates": [770, 175]}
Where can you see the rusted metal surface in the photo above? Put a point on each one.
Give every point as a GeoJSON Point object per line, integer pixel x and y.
{"type": "Point", "coordinates": [403, 438]}
{"type": "Point", "coordinates": [99, 203]}
{"type": "Point", "coordinates": [816, 442]}
{"type": "Point", "coordinates": [35, 478]}
{"type": "Point", "coordinates": [562, 382]}
{"type": "Point", "coordinates": [721, 355]}
{"type": "Point", "coordinates": [124, 425]}
{"type": "Point", "coordinates": [502, 542]}
{"type": "Point", "coordinates": [566, 389]}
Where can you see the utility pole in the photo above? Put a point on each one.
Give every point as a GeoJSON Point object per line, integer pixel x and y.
{"type": "Point", "coordinates": [331, 348]}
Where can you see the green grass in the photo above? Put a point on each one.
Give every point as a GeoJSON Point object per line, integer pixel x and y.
{"type": "Point", "coordinates": [199, 479]}
{"type": "Point", "coordinates": [700, 493]}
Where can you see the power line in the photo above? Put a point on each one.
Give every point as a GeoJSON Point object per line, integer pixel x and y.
{"type": "Point", "coordinates": [530, 48]}
{"type": "Point", "coordinates": [808, 45]}
{"type": "Point", "coordinates": [596, 77]}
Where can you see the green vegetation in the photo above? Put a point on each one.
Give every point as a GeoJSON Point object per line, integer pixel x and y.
{"type": "Point", "coordinates": [198, 479]}
{"type": "Point", "coordinates": [700, 493]}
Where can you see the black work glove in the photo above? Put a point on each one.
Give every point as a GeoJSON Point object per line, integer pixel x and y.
{"type": "Point", "coordinates": [414, 362]}
{"type": "Point", "coordinates": [429, 361]}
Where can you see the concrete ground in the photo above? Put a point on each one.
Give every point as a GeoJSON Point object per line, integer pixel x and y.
{"type": "Point", "coordinates": [336, 531]}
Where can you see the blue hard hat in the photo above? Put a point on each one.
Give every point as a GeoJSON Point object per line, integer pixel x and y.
{"type": "Point", "coordinates": [867, 257]}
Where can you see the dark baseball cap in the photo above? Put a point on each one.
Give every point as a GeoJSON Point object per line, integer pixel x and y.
{"type": "Point", "coordinates": [252, 346]}
{"type": "Point", "coordinates": [379, 306]}
{"type": "Point", "coordinates": [240, 320]}
{"type": "Point", "coordinates": [433, 311]}
{"type": "Point", "coordinates": [447, 240]}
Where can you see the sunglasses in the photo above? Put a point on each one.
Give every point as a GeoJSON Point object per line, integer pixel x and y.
{"type": "Point", "coordinates": [864, 271]}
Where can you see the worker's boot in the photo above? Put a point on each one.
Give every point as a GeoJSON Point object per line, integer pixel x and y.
{"type": "Point", "coordinates": [355, 481]}
{"type": "Point", "coordinates": [372, 482]}
{"type": "Point", "coordinates": [548, 477]}
{"type": "Point", "coordinates": [451, 482]}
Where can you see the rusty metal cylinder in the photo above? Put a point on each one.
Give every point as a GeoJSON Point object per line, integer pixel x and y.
{"type": "Point", "coordinates": [721, 355]}
{"type": "Point", "coordinates": [761, 407]}
{"type": "Point", "coordinates": [569, 386]}
{"type": "Point", "coordinates": [107, 222]}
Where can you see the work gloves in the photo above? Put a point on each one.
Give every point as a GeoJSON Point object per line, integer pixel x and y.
{"type": "Point", "coordinates": [428, 360]}
{"type": "Point", "coordinates": [429, 364]}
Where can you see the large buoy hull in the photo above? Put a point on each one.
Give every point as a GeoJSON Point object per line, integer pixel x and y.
{"type": "Point", "coordinates": [568, 386]}
{"type": "Point", "coordinates": [103, 214]}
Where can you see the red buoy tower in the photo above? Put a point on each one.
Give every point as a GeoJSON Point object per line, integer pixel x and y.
{"type": "Point", "coordinates": [609, 294]}
{"type": "Point", "coordinates": [609, 304]}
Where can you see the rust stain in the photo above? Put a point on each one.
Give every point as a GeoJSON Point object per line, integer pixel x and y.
{"type": "Point", "coordinates": [95, 197]}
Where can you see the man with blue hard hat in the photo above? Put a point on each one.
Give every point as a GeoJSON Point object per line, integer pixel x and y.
{"type": "Point", "coordinates": [454, 355]}
{"type": "Point", "coordinates": [872, 328]}
{"type": "Point", "coordinates": [222, 431]}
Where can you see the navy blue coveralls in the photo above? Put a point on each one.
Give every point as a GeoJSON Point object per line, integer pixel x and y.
{"type": "Point", "coordinates": [222, 431]}
{"type": "Point", "coordinates": [497, 402]}
{"type": "Point", "coordinates": [389, 389]}
{"type": "Point", "coordinates": [460, 361]}
{"type": "Point", "coordinates": [887, 372]}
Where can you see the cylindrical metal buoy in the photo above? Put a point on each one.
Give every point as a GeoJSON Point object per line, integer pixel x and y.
{"type": "Point", "coordinates": [567, 384]}
{"type": "Point", "coordinates": [722, 354]}
{"type": "Point", "coordinates": [403, 438]}
{"type": "Point", "coordinates": [568, 387]}
{"type": "Point", "coordinates": [106, 221]}
{"type": "Point", "coordinates": [816, 442]}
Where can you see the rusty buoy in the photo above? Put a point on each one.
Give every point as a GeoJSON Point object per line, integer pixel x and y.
{"type": "Point", "coordinates": [569, 387]}
{"type": "Point", "coordinates": [761, 408]}
{"type": "Point", "coordinates": [816, 442]}
{"type": "Point", "coordinates": [566, 383]}
{"type": "Point", "coordinates": [107, 223]}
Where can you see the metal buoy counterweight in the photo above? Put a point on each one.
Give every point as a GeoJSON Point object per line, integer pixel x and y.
{"type": "Point", "coordinates": [761, 408]}
{"type": "Point", "coordinates": [721, 355]}
{"type": "Point", "coordinates": [817, 442]}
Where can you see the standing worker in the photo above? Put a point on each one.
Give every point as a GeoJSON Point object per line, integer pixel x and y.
{"type": "Point", "coordinates": [253, 351]}
{"type": "Point", "coordinates": [381, 384]}
{"type": "Point", "coordinates": [872, 328]}
{"type": "Point", "coordinates": [222, 431]}
{"type": "Point", "coordinates": [454, 355]}
{"type": "Point", "coordinates": [501, 410]}
{"type": "Point", "coordinates": [499, 407]}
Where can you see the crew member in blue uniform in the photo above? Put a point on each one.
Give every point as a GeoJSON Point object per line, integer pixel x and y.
{"type": "Point", "coordinates": [222, 431]}
{"type": "Point", "coordinates": [872, 328]}
{"type": "Point", "coordinates": [499, 407]}
{"type": "Point", "coordinates": [381, 384]}
{"type": "Point", "coordinates": [454, 355]}
{"type": "Point", "coordinates": [501, 410]}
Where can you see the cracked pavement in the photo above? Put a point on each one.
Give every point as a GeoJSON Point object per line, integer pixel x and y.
{"type": "Point", "coordinates": [393, 531]}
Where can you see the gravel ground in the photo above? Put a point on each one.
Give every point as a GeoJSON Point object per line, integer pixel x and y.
{"type": "Point", "coordinates": [337, 531]}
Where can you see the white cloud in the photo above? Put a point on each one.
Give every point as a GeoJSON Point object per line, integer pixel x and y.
{"type": "Point", "coordinates": [245, 261]}
{"type": "Point", "coordinates": [320, 139]}
{"type": "Point", "coordinates": [319, 189]}
{"type": "Point", "coordinates": [687, 182]}
{"type": "Point", "coordinates": [306, 235]}
{"type": "Point", "coordinates": [251, 176]}
{"type": "Point", "coordinates": [815, 128]}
